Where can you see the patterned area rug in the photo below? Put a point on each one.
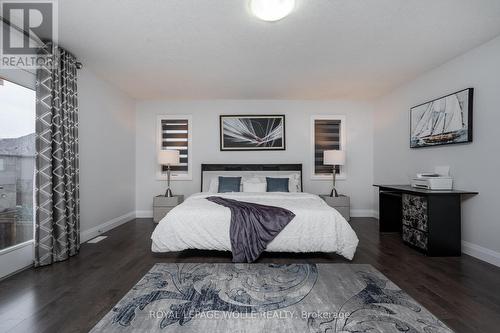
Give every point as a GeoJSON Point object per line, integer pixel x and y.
{"type": "Point", "coordinates": [267, 298]}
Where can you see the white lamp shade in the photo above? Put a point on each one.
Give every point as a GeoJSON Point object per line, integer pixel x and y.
{"type": "Point", "coordinates": [166, 157]}
{"type": "Point", "coordinates": [334, 157]}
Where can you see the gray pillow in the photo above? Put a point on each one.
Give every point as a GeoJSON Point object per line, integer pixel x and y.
{"type": "Point", "coordinates": [277, 184]}
{"type": "Point", "coordinates": [229, 184]}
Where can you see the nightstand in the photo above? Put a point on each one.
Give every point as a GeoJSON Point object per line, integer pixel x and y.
{"type": "Point", "coordinates": [162, 205]}
{"type": "Point", "coordinates": [342, 203]}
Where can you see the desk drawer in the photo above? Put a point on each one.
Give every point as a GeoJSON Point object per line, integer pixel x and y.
{"type": "Point", "coordinates": [415, 213]}
{"type": "Point", "coordinates": [415, 237]}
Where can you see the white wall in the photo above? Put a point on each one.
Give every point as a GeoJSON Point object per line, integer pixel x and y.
{"type": "Point", "coordinates": [298, 145]}
{"type": "Point", "coordinates": [474, 166]}
{"type": "Point", "coordinates": [107, 154]}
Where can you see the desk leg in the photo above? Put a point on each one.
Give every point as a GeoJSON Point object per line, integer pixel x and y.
{"type": "Point", "coordinates": [444, 226]}
{"type": "Point", "coordinates": [390, 208]}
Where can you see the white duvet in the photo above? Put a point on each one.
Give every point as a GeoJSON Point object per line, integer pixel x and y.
{"type": "Point", "coordinates": [201, 224]}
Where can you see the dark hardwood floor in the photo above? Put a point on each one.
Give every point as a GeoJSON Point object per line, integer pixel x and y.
{"type": "Point", "coordinates": [73, 296]}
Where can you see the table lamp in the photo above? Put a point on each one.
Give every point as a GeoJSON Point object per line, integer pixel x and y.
{"type": "Point", "coordinates": [334, 158]}
{"type": "Point", "coordinates": [168, 158]}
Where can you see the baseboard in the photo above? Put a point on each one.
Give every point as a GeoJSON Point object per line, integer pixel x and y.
{"type": "Point", "coordinates": [481, 253]}
{"type": "Point", "coordinates": [144, 214]}
{"type": "Point", "coordinates": [106, 226]}
{"type": "Point", "coordinates": [16, 259]}
{"type": "Point", "coordinates": [363, 213]}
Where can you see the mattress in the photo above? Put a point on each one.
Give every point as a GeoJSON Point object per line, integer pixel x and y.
{"type": "Point", "coordinates": [200, 224]}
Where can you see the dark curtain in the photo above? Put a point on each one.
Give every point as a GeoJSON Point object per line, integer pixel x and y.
{"type": "Point", "coordinates": [57, 229]}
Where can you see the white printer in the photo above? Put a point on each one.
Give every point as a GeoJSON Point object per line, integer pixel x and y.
{"type": "Point", "coordinates": [438, 180]}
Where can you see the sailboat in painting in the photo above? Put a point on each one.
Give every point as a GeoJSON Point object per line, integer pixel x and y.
{"type": "Point", "coordinates": [442, 121]}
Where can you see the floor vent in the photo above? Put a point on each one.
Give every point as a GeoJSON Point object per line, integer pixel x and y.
{"type": "Point", "coordinates": [97, 239]}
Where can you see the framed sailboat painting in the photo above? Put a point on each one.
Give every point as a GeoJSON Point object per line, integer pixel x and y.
{"type": "Point", "coordinates": [446, 120]}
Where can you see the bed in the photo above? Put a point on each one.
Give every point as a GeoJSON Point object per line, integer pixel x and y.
{"type": "Point", "coordinates": [198, 223]}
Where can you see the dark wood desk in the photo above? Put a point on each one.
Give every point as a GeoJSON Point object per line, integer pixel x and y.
{"type": "Point", "coordinates": [428, 220]}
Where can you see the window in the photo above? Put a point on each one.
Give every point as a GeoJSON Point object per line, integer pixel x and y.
{"type": "Point", "coordinates": [174, 133]}
{"type": "Point", "coordinates": [17, 163]}
{"type": "Point", "coordinates": [327, 133]}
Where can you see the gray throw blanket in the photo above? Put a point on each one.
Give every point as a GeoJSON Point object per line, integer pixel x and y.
{"type": "Point", "coordinates": [253, 226]}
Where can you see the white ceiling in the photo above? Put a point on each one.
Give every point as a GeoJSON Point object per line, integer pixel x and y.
{"type": "Point", "coordinates": [214, 49]}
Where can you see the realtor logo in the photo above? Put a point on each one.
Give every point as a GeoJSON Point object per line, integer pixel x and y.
{"type": "Point", "coordinates": [26, 26]}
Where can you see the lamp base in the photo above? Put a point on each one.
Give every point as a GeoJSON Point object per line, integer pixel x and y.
{"type": "Point", "coordinates": [168, 193]}
{"type": "Point", "coordinates": [334, 193]}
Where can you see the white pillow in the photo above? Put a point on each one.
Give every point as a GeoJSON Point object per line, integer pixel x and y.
{"type": "Point", "coordinates": [254, 187]}
{"type": "Point", "coordinates": [214, 185]}
{"type": "Point", "coordinates": [254, 179]}
{"type": "Point", "coordinates": [294, 183]}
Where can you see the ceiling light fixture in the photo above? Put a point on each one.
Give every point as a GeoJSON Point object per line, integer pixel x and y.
{"type": "Point", "coordinates": [271, 10]}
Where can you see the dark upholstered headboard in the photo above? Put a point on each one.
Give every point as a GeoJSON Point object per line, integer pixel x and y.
{"type": "Point", "coordinates": [246, 168]}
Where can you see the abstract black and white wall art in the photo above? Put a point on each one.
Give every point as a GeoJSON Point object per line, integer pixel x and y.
{"type": "Point", "coordinates": [252, 132]}
{"type": "Point", "coordinates": [446, 120]}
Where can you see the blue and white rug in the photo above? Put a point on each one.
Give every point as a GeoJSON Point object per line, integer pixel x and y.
{"type": "Point", "coordinates": [267, 298]}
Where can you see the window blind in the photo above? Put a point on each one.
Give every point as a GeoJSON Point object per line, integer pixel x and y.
{"type": "Point", "coordinates": [175, 136]}
{"type": "Point", "coordinates": [326, 137]}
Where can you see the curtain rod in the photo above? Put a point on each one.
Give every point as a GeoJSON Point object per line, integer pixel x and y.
{"type": "Point", "coordinates": [3, 20]}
